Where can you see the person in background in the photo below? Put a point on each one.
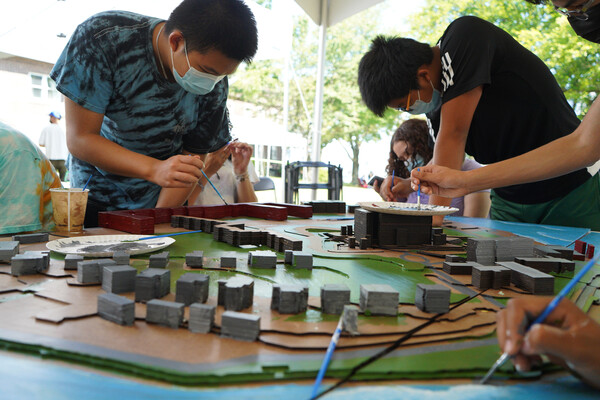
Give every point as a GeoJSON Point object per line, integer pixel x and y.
{"type": "Point", "coordinates": [232, 173]}
{"type": "Point", "coordinates": [27, 177]}
{"type": "Point", "coordinates": [412, 147]}
{"type": "Point", "coordinates": [53, 140]}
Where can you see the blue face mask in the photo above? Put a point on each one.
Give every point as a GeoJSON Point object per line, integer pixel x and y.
{"type": "Point", "coordinates": [414, 162]}
{"type": "Point", "coordinates": [195, 81]}
{"type": "Point", "coordinates": [421, 107]}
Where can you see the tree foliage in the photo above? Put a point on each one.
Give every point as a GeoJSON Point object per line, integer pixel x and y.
{"type": "Point", "coordinates": [539, 28]}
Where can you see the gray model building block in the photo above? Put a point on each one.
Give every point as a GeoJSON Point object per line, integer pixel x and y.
{"type": "Point", "coordinates": [121, 257]}
{"type": "Point", "coordinates": [31, 238]}
{"type": "Point", "coordinates": [240, 326]}
{"type": "Point", "coordinates": [8, 250]}
{"type": "Point", "coordinates": [29, 263]}
{"type": "Point", "coordinates": [301, 259]}
{"type": "Point", "coordinates": [262, 259]}
{"type": "Point", "coordinates": [334, 297]}
{"type": "Point", "coordinates": [166, 313]}
{"type": "Point", "coordinates": [89, 272]}
{"type": "Point", "coordinates": [71, 261]}
{"type": "Point", "coordinates": [238, 293]}
{"type": "Point", "coordinates": [529, 279]}
{"type": "Point", "coordinates": [192, 288]}
{"type": "Point", "coordinates": [289, 299]}
{"type": "Point", "coordinates": [118, 279]}
{"type": "Point", "coordinates": [229, 260]}
{"type": "Point", "coordinates": [202, 318]}
{"type": "Point", "coordinates": [116, 308]}
{"type": "Point", "coordinates": [481, 250]}
{"type": "Point", "coordinates": [160, 260]}
{"type": "Point", "coordinates": [289, 256]}
{"type": "Point", "coordinates": [432, 298]}
{"type": "Point", "coordinates": [379, 299]}
{"type": "Point", "coordinates": [350, 319]}
{"type": "Point", "coordinates": [195, 259]}
{"type": "Point", "coordinates": [152, 283]}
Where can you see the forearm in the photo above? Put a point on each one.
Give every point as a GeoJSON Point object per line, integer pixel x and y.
{"type": "Point", "coordinates": [175, 197]}
{"type": "Point", "coordinates": [245, 192]}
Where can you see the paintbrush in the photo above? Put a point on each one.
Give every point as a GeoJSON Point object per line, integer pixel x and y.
{"type": "Point", "coordinates": [327, 359]}
{"type": "Point", "coordinates": [542, 317]}
{"type": "Point", "coordinates": [160, 236]}
{"type": "Point", "coordinates": [419, 194]}
{"type": "Point", "coordinates": [213, 186]}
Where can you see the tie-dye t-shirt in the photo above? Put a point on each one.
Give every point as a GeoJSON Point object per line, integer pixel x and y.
{"type": "Point", "coordinates": [109, 67]}
{"type": "Point", "coordinates": [26, 179]}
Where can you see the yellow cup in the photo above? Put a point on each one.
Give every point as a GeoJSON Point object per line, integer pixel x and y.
{"type": "Point", "coordinates": [68, 206]}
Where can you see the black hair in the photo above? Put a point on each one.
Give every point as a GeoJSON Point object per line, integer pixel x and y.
{"type": "Point", "coordinates": [537, 1]}
{"type": "Point", "coordinates": [389, 70]}
{"type": "Point", "coordinates": [224, 25]}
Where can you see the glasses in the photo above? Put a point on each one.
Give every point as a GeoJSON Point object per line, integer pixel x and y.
{"type": "Point", "coordinates": [407, 108]}
{"type": "Point", "coordinates": [579, 13]}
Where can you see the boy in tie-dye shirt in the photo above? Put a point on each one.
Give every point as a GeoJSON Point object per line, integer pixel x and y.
{"type": "Point", "coordinates": [27, 176]}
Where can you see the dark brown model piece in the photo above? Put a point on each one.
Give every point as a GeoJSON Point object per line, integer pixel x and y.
{"type": "Point", "coordinates": [392, 230]}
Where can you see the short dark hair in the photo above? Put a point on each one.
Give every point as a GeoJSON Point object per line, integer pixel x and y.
{"type": "Point", "coordinates": [537, 1]}
{"type": "Point", "coordinates": [389, 70]}
{"type": "Point", "coordinates": [224, 25]}
{"type": "Point", "coordinates": [415, 132]}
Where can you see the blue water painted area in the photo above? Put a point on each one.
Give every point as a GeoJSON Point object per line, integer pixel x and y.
{"type": "Point", "coordinates": [546, 234]}
{"type": "Point", "coordinates": [31, 378]}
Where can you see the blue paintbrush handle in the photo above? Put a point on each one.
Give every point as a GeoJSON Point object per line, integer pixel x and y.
{"type": "Point", "coordinates": [168, 234]}
{"type": "Point", "coordinates": [327, 359]}
{"type": "Point", "coordinates": [213, 186]}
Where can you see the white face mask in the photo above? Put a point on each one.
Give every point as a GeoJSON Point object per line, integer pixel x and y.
{"type": "Point", "coordinates": [195, 81]}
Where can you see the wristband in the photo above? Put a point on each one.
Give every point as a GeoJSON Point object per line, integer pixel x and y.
{"type": "Point", "coordinates": [241, 177]}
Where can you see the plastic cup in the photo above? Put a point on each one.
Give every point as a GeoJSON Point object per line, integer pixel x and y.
{"type": "Point", "coordinates": [68, 206]}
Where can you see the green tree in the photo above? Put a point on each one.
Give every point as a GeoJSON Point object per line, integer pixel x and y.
{"type": "Point", "coordinates": [539, 28]}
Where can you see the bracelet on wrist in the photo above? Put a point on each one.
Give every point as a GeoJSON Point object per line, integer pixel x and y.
{"type": "Point", "coordinates": [242, 177]}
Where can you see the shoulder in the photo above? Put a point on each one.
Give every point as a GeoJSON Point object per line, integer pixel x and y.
{"type": "Point", "coordinates": [11, 140]}
{"type": "Point", "coordinates": [467, 28]}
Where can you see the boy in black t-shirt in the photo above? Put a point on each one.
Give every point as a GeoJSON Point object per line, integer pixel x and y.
{"type": "Point", "coordinates": [487, 95]}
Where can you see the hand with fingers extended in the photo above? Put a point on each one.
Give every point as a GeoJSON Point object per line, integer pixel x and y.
{"type": "Point", "coordinates": [400, 189]}
{"type": "Point", "coordinates": [241, 154]}
{"type": "Point", "coordinates": [439, 180]}
{"type": "Point", "coordinates": [569, 337]}
{"type": "Point", "coordinates": [177, 172]}
{"type": "Point", "coordinates": [215, 160]}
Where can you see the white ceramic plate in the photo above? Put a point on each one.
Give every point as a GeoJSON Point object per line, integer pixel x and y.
{"type": "Point", "coordinates": [105, 246]}
{"type": "Point", "coordinates": [406, 208]}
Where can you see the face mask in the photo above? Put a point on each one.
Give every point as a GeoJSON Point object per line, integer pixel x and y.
{"type": "Point", "coordinates": [414, 162]}
{"type": "Point", "coordinates": [195, 81]}
{"type": "Point", "coordinates": [421, 107]}
{"type": "Point", "coordinates": [590, 28]}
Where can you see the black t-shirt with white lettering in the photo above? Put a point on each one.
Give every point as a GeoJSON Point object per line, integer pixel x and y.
{"type": "Point", "coordinates": [522, 107]}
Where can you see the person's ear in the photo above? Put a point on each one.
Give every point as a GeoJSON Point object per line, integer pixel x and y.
{"type": "Point", "coordinates": [176, 40]}
{"type": "Point", "coordinates": [424, 76]}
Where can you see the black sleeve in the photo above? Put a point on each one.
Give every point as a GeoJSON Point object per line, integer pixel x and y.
{"type": "Point", "coordinates": [467, 51]}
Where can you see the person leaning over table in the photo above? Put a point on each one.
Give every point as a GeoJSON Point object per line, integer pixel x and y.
{"type": "Point", "coordinates": [577, 150]}
{"type": "Point", "coordinates": [232, 173]}
{"type": "Point", "coordinates": [142, 94]}
{"type": "Point", "coordinates": [411, 147]}
{"type": "Point", "coordinates": [487, 95]}
{"type": "Point", "coordinates": [27, 177]}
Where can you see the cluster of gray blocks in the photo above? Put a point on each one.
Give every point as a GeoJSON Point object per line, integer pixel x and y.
{"type": "Point", "coordinates": [8, 250]}
{"type": "Point", "coordinates": [547, 264]}
{"type": "Point", "coordinates": [262, 259]}
{"type": "Point", "coordinates": [432, 298]}
{"type": "Point", "coordinates": [494, 277]}
{"type": "Point", "coordinates": [235, 293]}
{"type": "Point", "coordinates": [165, 313]}
{"type": "Point", "coordinates": [334, 296]}
{"type": "Point", "coordinates": [379, 299]}
{"type": "Point", "coordinates": [152, 283]}
{"type": "Point", "coordinates": [160, 260]}
{"type": "Point", "coordinates": [529, 279]}
{"type": "Point", "coordinates": [30, 263]}
{"type": "Point", "coordinates": [195, 259]}
{"type": "Point", "coordinates": [91, 271]}
{"type": "Point", "coordinates": [487, 251]}
{"type": "Point", "coordinates": [299, 259]}
{"type": "Point", "coordinates": [240, 326]}
{"type": "Point", "coordinates": [192, 288]}
{"type": "Point", "coordinates": [31, 238]}
{"type": "Point", "coordinates": [117, 309]}
{"type": "Point", "coordinates": [289, 299]}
